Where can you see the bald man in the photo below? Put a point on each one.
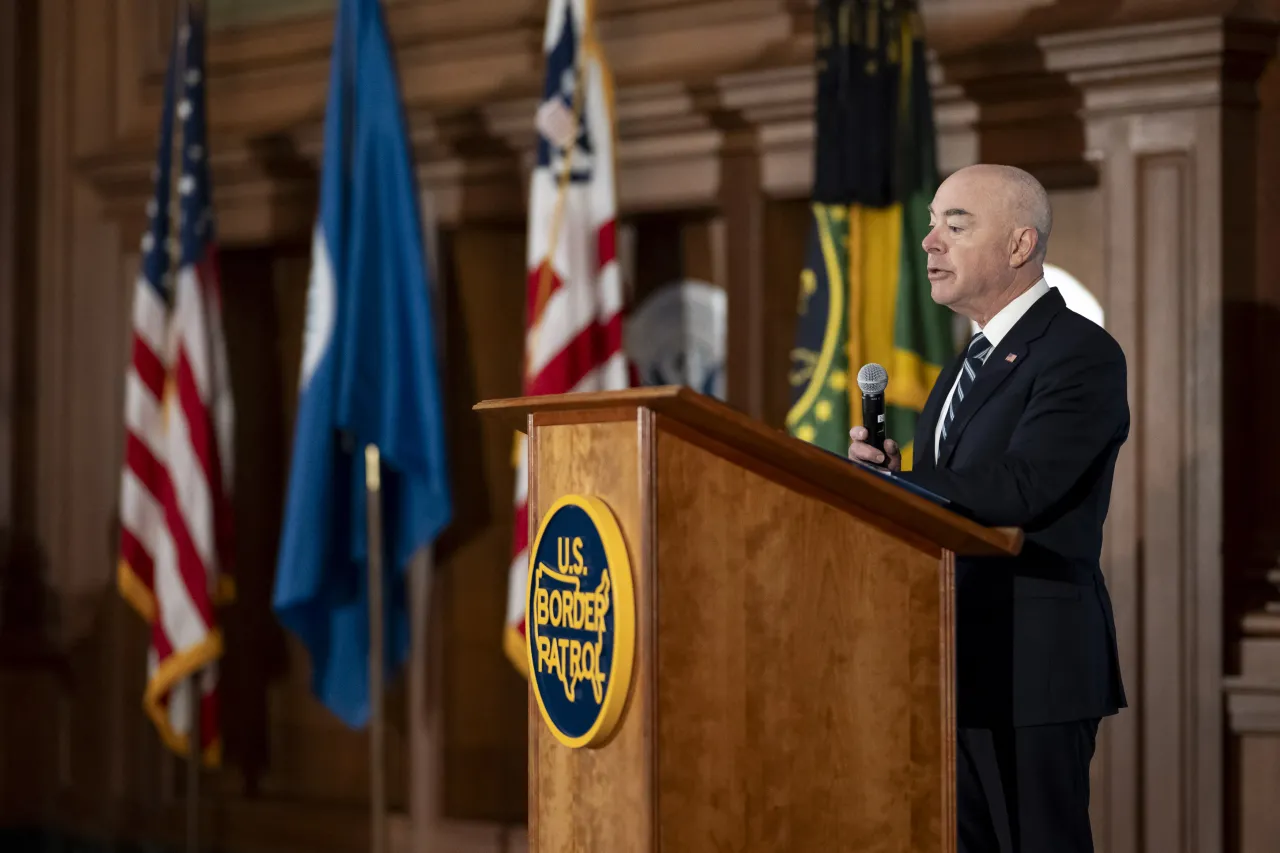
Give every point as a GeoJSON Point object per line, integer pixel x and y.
{"type": "Point", "coordinates": [1022, 429]}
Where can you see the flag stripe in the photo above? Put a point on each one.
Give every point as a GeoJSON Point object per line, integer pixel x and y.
{"type": "Point", "coordinates": [150, 315]}
{"type": "Point", "coordinates": [179, 553]}
{"type": "Point", "coordinates": [570, 308]}
{"type": "Point", "coordinates": [190, 465]}
{"type": "Point", "coordinates": [188, 307]}
{"type": "Point", "coordinates": [160, 641]}
{"type": "Point", "coordinates": [607, 243]}
{"type": "Point", "coordinates": [592, 346]}
{"type": "Point", "coordinates": [147, 367]}
{"type": "Point", "coordinates": [142, 416]}
{"type": "Point", "coordinates": [136, 556]}
{"type": "Point", "coordinates": [522, 528]}
{"type": "Point", "coordinates": [141, 513]}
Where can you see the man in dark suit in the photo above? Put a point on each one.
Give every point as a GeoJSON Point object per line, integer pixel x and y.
{"type": "Point", "coordinates": [1022, 429]}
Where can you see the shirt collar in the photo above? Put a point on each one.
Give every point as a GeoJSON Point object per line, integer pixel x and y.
{"type": "Point", "coordinates": [998, 326]}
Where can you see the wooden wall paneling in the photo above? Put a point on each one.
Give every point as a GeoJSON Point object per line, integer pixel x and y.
{"type": "Point", "coordinates": [1253, 708]}
{"type": "Point", "coordinates": [786, 234]}
{"type": "Point", "coordinates": [256, 655]}
{"type": "Point", "coordinates": [240, 13]}
{"type": "Point", "coordinates": [1078, 237]}
{"type": "Point", "coordinates": [30, 730]}
{"type": "Point", "coordinates": [482, 695]}
{"type": "Point", "coordinates": [1253, 608]}
{"type": "Point", "coordinates": [659, 253]}
{"type": "Point", "coordinates": [671, 246]}
{"type": "Point", "coordinates": [56, 63]}
{"type": "Point", "coordinates": [22, 230]}
{"type": "Point", "coordinates": [1150, 213]}
{"type": "Point", "coordinates": [95, 337]}
{"type": "Point", "coordinates": [742, 204]}
{"type": "Point", "coordinates": [11, 122]}
{"type": "Point", "coordinates": [77, 418]}
{"type": "Point", "coordinates": [1252, 319]}
{"type": "Point", "coordinates": [698, 248]}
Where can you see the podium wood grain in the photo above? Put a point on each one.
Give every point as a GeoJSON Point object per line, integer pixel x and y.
{"type": "Point", "coordinates": [596, 799]}
{"type": "Point", "coordinates": [793, 686]}
{"type": "Point", "coordinates": [800, 660]}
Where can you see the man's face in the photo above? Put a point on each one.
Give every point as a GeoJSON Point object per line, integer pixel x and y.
{"type": "Point", "coordinates": [967, 245]}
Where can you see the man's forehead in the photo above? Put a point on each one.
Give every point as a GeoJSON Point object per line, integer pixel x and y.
{"type": "Point", "coordinates": [957, 198]}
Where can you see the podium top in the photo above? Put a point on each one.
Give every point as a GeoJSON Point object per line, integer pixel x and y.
{"type": "Point", "coordinates": [827, 472]}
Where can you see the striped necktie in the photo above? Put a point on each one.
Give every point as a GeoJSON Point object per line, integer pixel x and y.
{"type": "Point", "coordinates": [979, 349]}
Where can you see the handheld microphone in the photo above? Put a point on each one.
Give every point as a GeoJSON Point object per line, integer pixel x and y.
{"type": "Point", "coordinates": [873, 379]}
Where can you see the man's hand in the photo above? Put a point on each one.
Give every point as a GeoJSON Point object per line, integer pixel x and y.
{"type": "Point", "coordinates": [864, 452]}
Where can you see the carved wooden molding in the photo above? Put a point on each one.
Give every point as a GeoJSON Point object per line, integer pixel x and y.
{"type": "Point", "coordinates": [1253, 707]}
{"type": "Point", "coordinates": [693, 80]}
{"type": "Point", "coordinates": [1265, 623]}
{"type": "Point", "coordinates": [1253, 696]}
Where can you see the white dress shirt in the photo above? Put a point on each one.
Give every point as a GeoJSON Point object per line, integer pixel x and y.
{"type": "Point", "coordinates": [995, 330]}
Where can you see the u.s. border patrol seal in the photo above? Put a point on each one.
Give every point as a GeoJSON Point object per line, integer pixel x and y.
{"type": "Point", "coordinates": [580, 624]}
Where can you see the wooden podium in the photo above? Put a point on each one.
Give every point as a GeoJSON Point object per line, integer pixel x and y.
{"type": "Point", "coordinates": [792, 685]}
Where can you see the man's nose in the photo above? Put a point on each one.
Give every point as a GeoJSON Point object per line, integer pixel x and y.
{"type": "Point", "coordinates": [930, 242]}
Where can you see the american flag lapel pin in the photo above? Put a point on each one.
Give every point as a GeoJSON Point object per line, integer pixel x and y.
{"type": "Point", "coordinates": [1011, 357]}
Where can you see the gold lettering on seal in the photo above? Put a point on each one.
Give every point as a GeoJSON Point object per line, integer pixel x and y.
{"type": "Point", "coordinates": [573, 660]}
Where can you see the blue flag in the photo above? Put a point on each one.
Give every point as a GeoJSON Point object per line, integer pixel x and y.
{"type": "Point", "coordinates": [368, 375]}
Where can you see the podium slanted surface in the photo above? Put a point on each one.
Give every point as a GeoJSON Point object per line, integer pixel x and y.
{"type": "Point", "coordinates": [737, 640]}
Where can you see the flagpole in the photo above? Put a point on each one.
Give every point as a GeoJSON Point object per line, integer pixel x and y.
{"type": "Point", "coordinates": [194, 694]}
{"type": "Point", "coordinates": [193, 769]}
{"type": "Point", "coordinates": [377, 734]}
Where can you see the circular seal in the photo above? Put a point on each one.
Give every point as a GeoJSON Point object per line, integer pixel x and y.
{"type": "Point", "coordinates": [677, 337]}
{"type": "Point", "coordinates": [580, 625]}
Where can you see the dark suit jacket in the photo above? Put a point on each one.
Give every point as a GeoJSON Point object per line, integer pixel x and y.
{"type": "Point", "coordinates": [1034, 446]}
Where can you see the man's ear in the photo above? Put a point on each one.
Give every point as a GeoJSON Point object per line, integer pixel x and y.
{"type": "Point", "coordinates": [1022, 246]}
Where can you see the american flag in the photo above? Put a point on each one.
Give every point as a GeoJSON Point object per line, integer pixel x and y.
{"type": "Point", "coordinates": [573, 321]}
{"type": "Point", "coordinates": [175, 509]}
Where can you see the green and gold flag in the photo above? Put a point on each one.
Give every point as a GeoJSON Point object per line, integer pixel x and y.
{"type": "Point", "coordinates": [864, 291]}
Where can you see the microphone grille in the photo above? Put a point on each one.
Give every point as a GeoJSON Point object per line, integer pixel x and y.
{"type": "Point", "coordinates": [872, 379]}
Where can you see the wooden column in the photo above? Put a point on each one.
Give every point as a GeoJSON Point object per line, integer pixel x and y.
{"type": "Point", "coordinates": [742, 209]}
{"type": "Point", "coordinates": [18, 117]}
{"type": "Point", "coordinates": [10, 125]}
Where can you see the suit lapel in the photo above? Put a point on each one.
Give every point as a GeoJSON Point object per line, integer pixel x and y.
{"type": "Point", "coordinates": [1003, 361]}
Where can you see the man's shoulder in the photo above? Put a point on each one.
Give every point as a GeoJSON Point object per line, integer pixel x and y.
{"type": "Point", "coordinates": [1073, 336]}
